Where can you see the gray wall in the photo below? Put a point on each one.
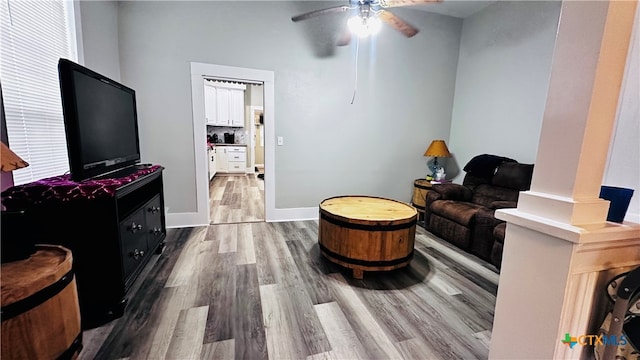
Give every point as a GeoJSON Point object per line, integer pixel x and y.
{"type": "Point", "coordinates": [100, 37]}
{"type": "Point", "coordinates": [373, 147]}
{"type": "Point", "coordinates": [501, 88]}
{"type": "Point", "coordinates": [502, 81]}
{"type": "Point", "coordinates": [256, 96]}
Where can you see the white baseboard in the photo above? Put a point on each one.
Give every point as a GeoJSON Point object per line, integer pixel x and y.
{"type": "Point", "coordinates": [180, 220]}
{"type": "Point", "coordinates": [293, 214]}
{"type": "Point", "coordinates": [184, 220]}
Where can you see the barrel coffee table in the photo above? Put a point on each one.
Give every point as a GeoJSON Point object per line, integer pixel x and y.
{"type": "Point", "coordinates": [367, 233]}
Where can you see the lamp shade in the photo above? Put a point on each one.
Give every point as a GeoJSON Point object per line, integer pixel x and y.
{"type": "Point", "coordinates": [437, 149]}
{"type": "Point", "coordinates": [10, 161]}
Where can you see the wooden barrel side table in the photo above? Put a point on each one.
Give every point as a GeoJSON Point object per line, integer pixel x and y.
{"type": "Point", "coordinates": [420, 189]}
{"type": "Point", "coordinates": [366, 233]}
{"type": "Point", "coordinates": [40, 310]}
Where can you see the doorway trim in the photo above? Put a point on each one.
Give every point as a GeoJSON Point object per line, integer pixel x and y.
{"type": "Point", "coordinates": [252, 136]}
{"type": "Point", "coordinates": [198, 73]}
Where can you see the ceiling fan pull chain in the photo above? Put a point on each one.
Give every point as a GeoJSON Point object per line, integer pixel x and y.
{"type": "Point", "coordinates": [355, 81]}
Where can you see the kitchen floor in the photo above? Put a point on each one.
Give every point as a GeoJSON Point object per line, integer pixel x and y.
{"type": "Point", "coordinates": [236, 199]}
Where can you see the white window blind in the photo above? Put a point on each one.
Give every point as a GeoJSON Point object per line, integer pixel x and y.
{"type": "Point", "coordinates": [35, 35]}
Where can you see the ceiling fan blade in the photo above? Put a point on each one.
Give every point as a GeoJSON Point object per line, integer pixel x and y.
{"type": "Point", "coordinates": [397, 23]}
{"type": "Point", "coordinates": [396, 3]}
{"type": "Point", "coordinates": [331, 10]}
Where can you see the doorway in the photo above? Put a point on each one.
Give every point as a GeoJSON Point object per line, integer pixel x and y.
{"type": "Point", "coordinates": [201, 71]}
{"type": "Point", "coordinates": [236, 167]}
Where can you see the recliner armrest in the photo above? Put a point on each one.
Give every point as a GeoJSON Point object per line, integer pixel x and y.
{"type": "Point", "coordinates": [503, 204]}
{"type": "Point", "coordinates": [455, 192]}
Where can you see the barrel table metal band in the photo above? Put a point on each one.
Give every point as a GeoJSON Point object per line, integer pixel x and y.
{"type": "Point", "coordinates": [75, 348]}
{"type": "Point", "coordinates": [21, 306]}
{"type": "Point", "coordinates": [349, 225]}
{"type": "Point", "coordinates": [366, 262]}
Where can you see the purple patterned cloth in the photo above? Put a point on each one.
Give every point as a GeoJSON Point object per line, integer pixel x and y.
{"type": "Point", "coordinates": [62, 188]}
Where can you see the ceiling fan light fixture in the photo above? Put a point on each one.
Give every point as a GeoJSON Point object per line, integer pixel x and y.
{"type": "Point", "coordinates": [364, 26]}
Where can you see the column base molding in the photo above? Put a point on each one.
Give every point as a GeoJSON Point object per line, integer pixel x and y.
{"type": "Point", "coordinates": [564, 209]}
{"type": "Point", "coordinates": [588, 233]}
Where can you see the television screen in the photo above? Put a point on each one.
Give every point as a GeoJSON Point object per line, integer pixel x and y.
{"type": "Point", "coordinates": [100, 122]}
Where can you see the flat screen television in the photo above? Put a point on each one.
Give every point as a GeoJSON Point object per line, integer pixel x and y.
{"type": "Point", "coordinates": [101, 122]}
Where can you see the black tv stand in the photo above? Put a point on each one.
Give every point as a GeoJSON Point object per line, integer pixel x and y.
{"type": "Point", "coordinates": [111, 238]}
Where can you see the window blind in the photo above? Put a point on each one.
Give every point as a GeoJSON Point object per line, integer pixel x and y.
{"type": "Point", "coordinates": [35, 35]}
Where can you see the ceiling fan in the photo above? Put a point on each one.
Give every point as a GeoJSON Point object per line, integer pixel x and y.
{"type": "Point", "coordinates": [367, 16]}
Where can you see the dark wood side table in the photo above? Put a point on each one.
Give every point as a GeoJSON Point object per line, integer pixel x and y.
{"type": "Point", "coordinates": [420, 189]}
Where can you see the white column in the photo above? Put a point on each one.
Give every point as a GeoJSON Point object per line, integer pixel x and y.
{"type": "Point", "coordinates": [586, 75]}
{"type": "Point", "coordinates": [557, 239]}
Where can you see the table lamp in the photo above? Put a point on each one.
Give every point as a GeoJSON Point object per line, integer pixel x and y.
{"type": "Point", "coordinates": [437, 149]}
{"type": "Point", "coordinates": [10, 161]}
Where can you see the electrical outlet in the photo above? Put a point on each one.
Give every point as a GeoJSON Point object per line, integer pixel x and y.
{"type": "Point", "coordinates": [280, 140]}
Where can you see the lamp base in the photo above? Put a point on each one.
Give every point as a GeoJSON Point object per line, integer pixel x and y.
{"type": "Point", "coordinates": [439, 174]}
{"type": "Point", "coordinates": [434, 167]}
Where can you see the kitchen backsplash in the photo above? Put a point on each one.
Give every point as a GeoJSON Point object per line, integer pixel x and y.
{"type": "Point", "coordinates": [240, 133]}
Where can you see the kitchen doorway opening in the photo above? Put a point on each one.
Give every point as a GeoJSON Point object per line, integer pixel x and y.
{"type": "Point", "coordinates": [236, 153]}
{"type": "Point", "coordinates": [200, 72]}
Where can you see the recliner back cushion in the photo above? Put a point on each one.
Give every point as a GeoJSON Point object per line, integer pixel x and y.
{"type": "Point", "coordinates": [513, 176]}
{"type": "Point", "coordinates": [486, 194]}
{"type": "Point", "coordinates": [485, 165]}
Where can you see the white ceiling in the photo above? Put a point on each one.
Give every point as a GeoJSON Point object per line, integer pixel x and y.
{"type": "Point", "coordinates": [455, 8]}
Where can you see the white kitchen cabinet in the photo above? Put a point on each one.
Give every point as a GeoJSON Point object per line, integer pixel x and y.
{"type": "Point", "coordinates": [212, 163]}
{"type": "Point", "coordinates": [221, 159]}
{"type": "Point", "coordinates": [236, 108]}
{"type": "Point", "coordinates": [229, 107]}
{"type": "Point", "coordinates": [236, 159]}
{"type": "Point", "coordinates": [210, 105]}
{"type": "Point", "coordinates": [223, 109]}
{"type": "Point", "coordinates": [224, 103]}
{"type": "Point", "coordinates": [231, 159]}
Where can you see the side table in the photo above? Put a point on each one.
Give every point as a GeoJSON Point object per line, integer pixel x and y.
{"type": "Point", "coordinates": [40, 311]}
{"type": "Point", "coordinates": [420, 189]}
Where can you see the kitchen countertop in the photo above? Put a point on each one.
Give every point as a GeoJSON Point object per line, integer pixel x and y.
{"type": "Point", "coordinates": [210, 146]}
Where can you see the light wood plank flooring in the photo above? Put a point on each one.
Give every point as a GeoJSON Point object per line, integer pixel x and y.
{"type": "Point", "coordinates": [263, 291]}
{"type": "Point", "coordinates": [236, 198]}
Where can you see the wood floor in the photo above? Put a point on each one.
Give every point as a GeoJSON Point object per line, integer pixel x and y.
{"type": "Point", "coordinates": [236, 198]}
{"type": "Point", "coordinates": [263, 291]}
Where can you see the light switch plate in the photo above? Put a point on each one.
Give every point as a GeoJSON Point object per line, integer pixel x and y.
{"type": "Point", "coordinates": [280, 140]}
